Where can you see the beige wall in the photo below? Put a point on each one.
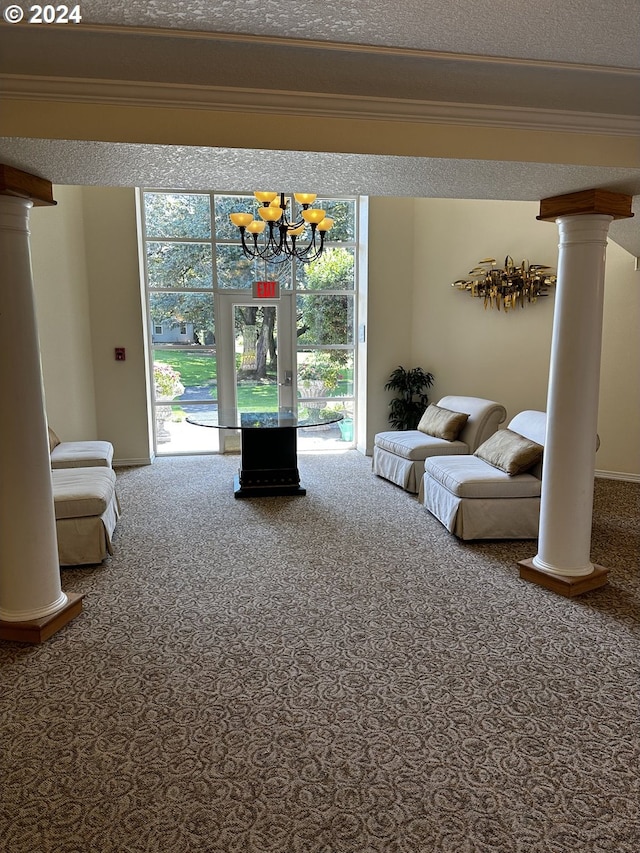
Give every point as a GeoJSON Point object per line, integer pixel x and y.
{"type": "Point", "coordinates": [390, 291]}
{"type": "Point", "coordinates": [117, 320]}
{"type": "Point", "coordinates": [505, 357]}
{"type": "Point", "coordinates": [619, 412]}
{"type": "Point", "coordinates": [85, 269]}
{"type": "Point", "coordinates": [87, 285]}
{"type": "Point", "coordinates": [62, 305]}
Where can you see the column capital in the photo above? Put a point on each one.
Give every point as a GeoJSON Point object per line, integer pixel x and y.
{"type": "Point", "coordinates": [24, 185]}
{"type": "Point", "coordinates": [616, 205]}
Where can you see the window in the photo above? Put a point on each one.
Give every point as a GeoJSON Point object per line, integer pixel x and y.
{"type": "Point", "coordinates": [193, 256]}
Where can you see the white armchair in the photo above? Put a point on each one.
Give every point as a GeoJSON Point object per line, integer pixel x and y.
{"type": "Point", "coordinates": [399, 456]}
{"type": "Point", "coordinates": [477, 499]}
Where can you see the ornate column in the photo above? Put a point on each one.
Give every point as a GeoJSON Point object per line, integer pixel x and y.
{"type": "Point", "coordinates": [564, 543]}
{"type": "Point", "coordinates": [32, 604]}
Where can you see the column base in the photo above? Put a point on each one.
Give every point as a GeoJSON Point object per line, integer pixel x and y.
{"type": "Point", "coordinates": [39, 630]}
{"type": "Point", "coordinates": [562, 584]}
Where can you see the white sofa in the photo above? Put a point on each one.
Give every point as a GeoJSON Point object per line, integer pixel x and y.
{"type": "Point", "coordinates": [85, 500]}
{"type": "Point", "coordinates": [399, 455]}
{"type": "Point", "coordinates": [79, 454]}
{"type": "Point", "coordinates": [87, 510]}
{"type": "Point", "coordinates": [476, 500]}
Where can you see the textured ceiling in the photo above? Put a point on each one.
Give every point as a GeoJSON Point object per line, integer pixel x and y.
{"type": "Point", "coordinates": [575, 55]}
{"type": "Point", "coordinates": [231, 169]}
{"type": "Point", "coordinates": [577, 31]}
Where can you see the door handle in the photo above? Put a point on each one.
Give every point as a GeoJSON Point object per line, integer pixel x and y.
{"type": "Point", "coordinates": [288, 379]}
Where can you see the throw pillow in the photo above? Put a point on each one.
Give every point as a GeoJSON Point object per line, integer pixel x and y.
{"type": "Point", "coordinates": [510, 452]}
{"type": "Point", "coordinates": [54, 441]}
{"type": "Point", "coordinates": [442, 423]}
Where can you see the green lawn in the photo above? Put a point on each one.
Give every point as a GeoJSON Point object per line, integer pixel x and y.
{"type": "Point", "coordinates": [195, 368]}
{"type": "Point", "coordinates": [199, 368]}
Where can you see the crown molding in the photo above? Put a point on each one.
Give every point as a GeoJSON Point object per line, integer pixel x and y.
{"type": "Point", "coordinates": [182, 96]}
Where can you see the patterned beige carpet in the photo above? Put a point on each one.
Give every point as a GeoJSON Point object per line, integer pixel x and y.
{"type": "Point", "coordinates": [332, 673]}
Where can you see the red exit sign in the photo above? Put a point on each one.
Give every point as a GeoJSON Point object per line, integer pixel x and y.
{"type": "Point", "coordinates": [266, 290]}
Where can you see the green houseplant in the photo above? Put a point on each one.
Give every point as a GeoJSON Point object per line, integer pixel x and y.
{"type": "Point", "coordinates": [407, 407]}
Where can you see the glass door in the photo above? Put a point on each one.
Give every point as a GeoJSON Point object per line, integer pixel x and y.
{"type": "Point", "coordinates": [256, 369]}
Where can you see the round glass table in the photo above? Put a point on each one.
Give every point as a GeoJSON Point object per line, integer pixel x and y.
{"type": "Point", "coordinates": [269, 447]}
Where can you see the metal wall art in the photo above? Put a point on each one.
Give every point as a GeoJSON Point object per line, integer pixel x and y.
{"type": "Point", "coordinates": [508, 287]}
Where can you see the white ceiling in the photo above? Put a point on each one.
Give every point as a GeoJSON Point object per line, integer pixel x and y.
{"type": "Point", "coordinates": [579, 57]}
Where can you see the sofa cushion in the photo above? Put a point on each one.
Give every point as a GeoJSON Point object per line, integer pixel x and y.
{"type": "Point", "coordinates": [472, 477]}
{"type": "Point", "coordinates": [510, 452]}
{"type": "Point", "coordinates": [415, 445]}
{"type": "Point", "coordinates": [442, 423]}
{"type": "Point", "coordinates": [82, 454]}
{"type": "Point", "coordinates": [79, 492]}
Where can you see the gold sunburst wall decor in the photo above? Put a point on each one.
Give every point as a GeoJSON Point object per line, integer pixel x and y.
{"type": "Point", "coordinates": [507, 287]}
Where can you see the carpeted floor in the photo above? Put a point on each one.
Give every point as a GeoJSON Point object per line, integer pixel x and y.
{"type": "Point", "coordinates": [332, 673]}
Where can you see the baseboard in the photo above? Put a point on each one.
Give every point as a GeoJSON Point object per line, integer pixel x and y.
{"type": "Point", "coordinates": [605, 475]}
{"type": "Point", "coordinates": [131, 463]}
{"type": "Point", "coordinates": [617, 475]}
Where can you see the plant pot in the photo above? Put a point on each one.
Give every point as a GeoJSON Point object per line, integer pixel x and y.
{"type": "Point", "coordinates": [346, 429]}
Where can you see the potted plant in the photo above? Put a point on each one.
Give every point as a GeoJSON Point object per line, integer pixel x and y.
{"type": "Point", "coordinates": [318, 375]}
{"type": "Point", "coordinates": [407, 407]}
{"type": "Point", "coordinates": [167, 387]}
{"type": "Point", "coordinates": [167, 381]}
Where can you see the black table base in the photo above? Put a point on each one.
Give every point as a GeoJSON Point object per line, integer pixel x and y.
{"type": "Point", "coordinates": [269, 463]}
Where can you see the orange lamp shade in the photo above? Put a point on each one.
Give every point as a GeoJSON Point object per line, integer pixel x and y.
{"type": "Point", "coordinates": [270, 214]}
{"type": "Point", "coordinates": [265, 198]}
{"type": "Point", "coordinates": [326, 224]}
{"type": "Point", "coordinates": [314, 215]}
{"type": "Point", "coordinates": [305, 198]}
{"type": "Point", "coordinates": [241, 219]}
{"type": "Point", "coordinates": [256, 227]}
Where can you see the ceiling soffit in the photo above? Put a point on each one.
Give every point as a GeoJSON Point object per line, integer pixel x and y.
{"type": "Point", "coordinates": [219, 71]}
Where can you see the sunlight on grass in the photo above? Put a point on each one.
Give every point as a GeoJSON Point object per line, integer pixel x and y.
{"type": "Point", "coordinates": [198, 368]}
{"type": "Point", "coordinates": [195, 367]}
{"type": "Point", "coordinates": [258, 397]}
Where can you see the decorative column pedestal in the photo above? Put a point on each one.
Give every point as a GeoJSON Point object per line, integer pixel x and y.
{"type": "Point", "coordinates": [32, 604]}
{"type": "Point", "coordinates": [562, 563]}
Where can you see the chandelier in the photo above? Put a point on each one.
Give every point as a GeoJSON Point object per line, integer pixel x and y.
{"type": "Point", "coordinates": [284, 239]}
{"type": "Point", "coordinates": [510, 286]}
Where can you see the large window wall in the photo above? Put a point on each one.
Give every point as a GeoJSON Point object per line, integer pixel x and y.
{"type": "Point", "coordinates": [193, 260]}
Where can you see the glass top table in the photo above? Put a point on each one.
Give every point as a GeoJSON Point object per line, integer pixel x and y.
{"type": "Point", "coordinates": [232, 419]}
{"type": "Point", "coordinates": [269, 453]}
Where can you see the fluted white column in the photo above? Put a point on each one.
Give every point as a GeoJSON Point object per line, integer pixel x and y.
{"type": "Point", "coordinates": [572, 403]}
{"type": "Point", "coordinates": [29, 569]}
